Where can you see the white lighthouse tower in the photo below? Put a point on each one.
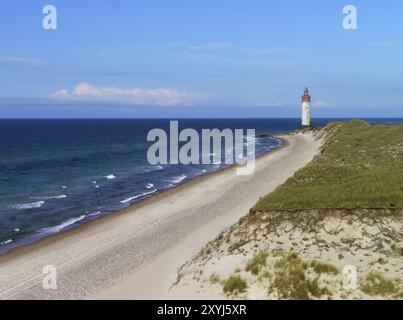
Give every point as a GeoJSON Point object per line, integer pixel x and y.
{"type": "Point", "coordinates": [306, 109]}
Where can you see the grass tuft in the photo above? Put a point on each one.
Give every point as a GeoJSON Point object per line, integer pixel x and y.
{"type": "Point", "coordinates": [291, 282]}
{"type": "Point", "coordinates": [234, 285]}
{"type": "Point", "coordinates": [377, 285]}
{"type": "Point", "coordinates": [397, 249]}
{"type": "Point", "coordinates": [214, 278]}
{"type": "Point", "coordinates": [257, 263]}
{"type": "Point", "coordinates": [322, 267]}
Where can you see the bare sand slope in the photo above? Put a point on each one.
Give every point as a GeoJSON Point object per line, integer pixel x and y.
{"type": "Point", "coordinates": [135, 254]}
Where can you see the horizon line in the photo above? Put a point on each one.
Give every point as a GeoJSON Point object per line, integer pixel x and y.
{"type": "Point", "coordinates": [193, 118]}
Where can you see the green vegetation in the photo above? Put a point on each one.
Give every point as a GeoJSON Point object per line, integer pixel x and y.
{"type": "Point", "coordinates": [258, 261]}
{"type": "Point", "coordinates": [322, 267]}
{"type": "Point", "coordinates": [291, 282]}
{"type": "Point", "coordinates": [265, 275]}
{"type": "Point", "coordinates": [397, 249]}
{"type": "Point", "coordinates": [234, 285]}
{"type": "Point", "coordinates": [214, 278]}
{"type": "Point", "coordinates": [377, 285]}
{"type": "Point", "coordinates": [361, 166]}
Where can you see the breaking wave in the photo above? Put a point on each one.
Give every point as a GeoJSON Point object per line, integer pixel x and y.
{"type": "Point", "coordinates": [63, 225]}
{"type": "Point", "coordinates": [25, 206]}
{"type": "Point", "coordinates": [138, 196]}
{"type": "Point", "coordinates": [110, 177]}
{"type": "Point", "coordinates": [62, 196]}
{"type": "Point", "coordinates": [179, 179]}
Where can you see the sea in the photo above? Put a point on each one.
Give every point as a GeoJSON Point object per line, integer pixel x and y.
{"type": "Point", "coordinates": [57, 174]}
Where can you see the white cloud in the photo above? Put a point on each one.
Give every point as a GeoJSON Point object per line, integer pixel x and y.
{"type": "Point", "coordinates": [139, 96]}
{"type": "Point", "coordinates": [209, 46]}
{"type": "Point", "coordinates": [62, 94]}
{"type": "Point", "coordinates": [20, 60]}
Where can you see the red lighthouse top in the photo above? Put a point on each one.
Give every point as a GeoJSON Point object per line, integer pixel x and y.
{"type": "Point", "coordinates": [306, 97]}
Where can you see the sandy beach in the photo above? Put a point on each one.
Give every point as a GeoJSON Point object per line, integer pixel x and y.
{"type": "Point", "coordinates": [136, 253]}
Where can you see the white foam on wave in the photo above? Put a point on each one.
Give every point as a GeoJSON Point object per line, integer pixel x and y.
{"type": "Point", "coordinates": [154, 168]}
{"type": "Point", "coordinates": [179, 179]}
{"type": "Point", "coordinates": [6, 242]}
{"type": "Point", "coordinates": [149, 186]}
{"type": "Point", "coordinates": [278, 140]}
{"type": "Point", "coordinates": [62, 196]}
{"type": "Point", "coordinates": [110, 177]}
{"type": "Point", "coordinates": [95, 214]}
{"type": "Point", "coordinates": [25, 206]}
{"type": "Point", "coordinates": [138, 196]}
{"type": "Point", "coordinates": [63, 225]}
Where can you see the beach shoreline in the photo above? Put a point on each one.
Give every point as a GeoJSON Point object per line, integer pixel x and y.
{"type": "Point", "coordinates": [95, 257]}
{"type": "Point", "coordinates": [161, 194]}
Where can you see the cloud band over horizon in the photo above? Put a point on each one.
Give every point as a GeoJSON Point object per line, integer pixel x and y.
{"type": "Point", "coordinates": [138, 96]}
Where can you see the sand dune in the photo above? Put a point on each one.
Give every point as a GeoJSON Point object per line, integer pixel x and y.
{"type": "Point", "coordinates": [324, 243]}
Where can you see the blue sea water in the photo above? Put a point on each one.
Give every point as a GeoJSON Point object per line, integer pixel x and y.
{"type": "Point", "coordinates": [57, 174]}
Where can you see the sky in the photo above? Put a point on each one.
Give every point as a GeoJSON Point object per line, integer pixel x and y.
{"type": "Point", "coordinates": [200, 58]}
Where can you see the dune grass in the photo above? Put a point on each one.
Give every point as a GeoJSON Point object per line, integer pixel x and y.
{"type": "Point", "coordinates": [377, 285]}
{"type": "Point", "coordinates": [234, 285]}
{"type": "Point", "coordinates": [361, 166]}
{"type": "Point", "coordinates": [257, 263]}
{"type": "Point", "coordinates": [291, 281]}
{"type": "Point", "coordinates": [322, 267]}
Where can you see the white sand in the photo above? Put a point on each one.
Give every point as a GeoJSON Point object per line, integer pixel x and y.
{"type": "Point", "coordinates": [362, 238]}
{"type": "Point", "coordinates": [136, 254]}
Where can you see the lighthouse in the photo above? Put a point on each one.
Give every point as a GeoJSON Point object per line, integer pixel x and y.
{"type": "Point", "coordinates": [306, 109]}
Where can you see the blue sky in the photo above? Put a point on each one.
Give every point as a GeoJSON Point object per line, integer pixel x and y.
{"type": "Point", "coordinates": [201, 58]}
